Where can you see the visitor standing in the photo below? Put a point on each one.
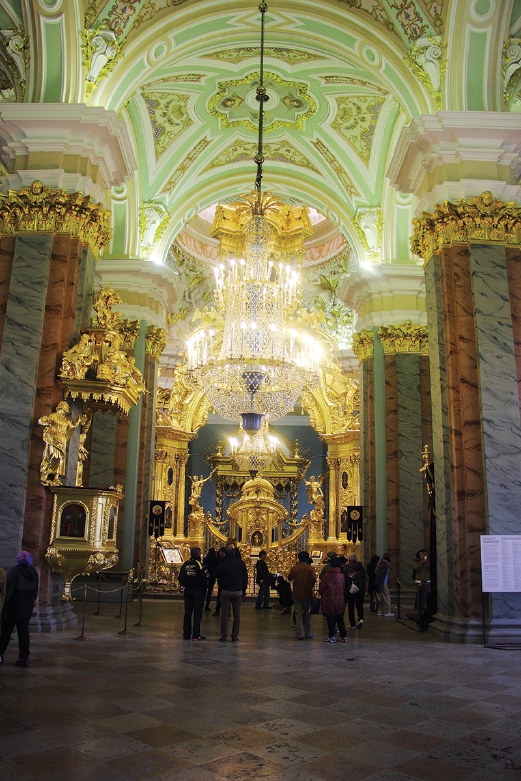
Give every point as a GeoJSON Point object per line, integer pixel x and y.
{"type": "Point", "coordinates": [304, 579]}
{"type": "Point", "coordinates": [382, 584]}
{"type": "Point", "coordinates": [355, 590]}
{"type": "Point", "coordinates": [21, 590]}
{"type": "Point", "coordinates": [371, 575]}
{"type": "Point", "coordinates": [193, 577]}
{"type": "Point", "coordinates": [232, 577]}
{"type": "Point", "coordinates": [333, 602]}
{"type": "Point", "coordinates": [210, 562]}
{"type": "Point", "coordinates": [422, 578]}
{"type": "Point", "coordinates": [262, 579]}
{"type": "Point", "coordinates": [221, 553]}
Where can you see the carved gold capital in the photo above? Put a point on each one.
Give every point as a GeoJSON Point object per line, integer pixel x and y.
{"type": "Point", "coordinates": [129, 332]}
{"type": "Point", "coordinates": [483, 219]}
{"type": "Point", "coordinates": [155, 340]}
{"type": "Point", "coordinates": [40, 209]}
{"type": "Point", "coordinates": [363, 345]}
{"type": "Point", "coordinates": [404, 338]}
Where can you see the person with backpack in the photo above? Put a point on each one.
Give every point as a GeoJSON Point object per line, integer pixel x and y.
{"type": "Point", "coordinates": [263, 580]}
{"type": "Point", "coordinates": [355, 590]}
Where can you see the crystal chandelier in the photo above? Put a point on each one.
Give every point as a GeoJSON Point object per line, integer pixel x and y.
{"type": "Point", "coordinates": [254, 451]}
{"type": "Point", "coordinates": [257, 367]}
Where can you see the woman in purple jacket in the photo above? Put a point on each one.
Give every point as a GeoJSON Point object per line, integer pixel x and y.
{"type": "Point", "coordinates": [333, 603]}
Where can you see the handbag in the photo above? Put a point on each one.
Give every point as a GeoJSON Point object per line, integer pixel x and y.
{"type": "Point", "coordinates": [354, 589]}
{"type": "Point", "coordinates": [315, 606]}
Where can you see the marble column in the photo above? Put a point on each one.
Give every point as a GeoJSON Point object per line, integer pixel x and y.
{"type": "Point", "coordinates": [500, 420]}
{"type": "Point", "coordinates": [411, 488]}
{"type": "Point", "coordinates": [380, 454]}
{"type": "Point", "coordinates": [19, 359]}
{"type": "Point", "coordinates": [148, 419]}
{"type": "Point", "coordinates": [131, 510]}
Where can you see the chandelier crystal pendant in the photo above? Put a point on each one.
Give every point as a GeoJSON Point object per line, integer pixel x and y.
{"type": "Point", "coordinates": [256, 369]}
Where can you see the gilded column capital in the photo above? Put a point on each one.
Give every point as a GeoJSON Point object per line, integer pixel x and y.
{"type": "Point", "coordinates": [406, 337]}
{"type": "Point", "coordinates": [41, 209]}
{"type": "Point", "coordinates": [363, 345]}
{"type": "Point", "coordinates": [155, 340]}
{"type": "Point", "coordinates": [483, 219]}
{"type": "Point", "coordinates": [129, 332]}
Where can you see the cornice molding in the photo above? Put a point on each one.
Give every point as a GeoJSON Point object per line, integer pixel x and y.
{"type": "Point", "coordinates": [452, 137]}
{"type": "Point", "coordinates": [69, 129]}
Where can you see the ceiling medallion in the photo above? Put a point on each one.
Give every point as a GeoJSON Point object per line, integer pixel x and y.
{"type": "Point", "coordinates": [235, 103]}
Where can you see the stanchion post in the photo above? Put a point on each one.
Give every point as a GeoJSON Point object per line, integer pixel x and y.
{"type": "Point", "coordinates": [82, 636]}
{"type": "Point", "coordinates": [398, 600]}
{"type": "Point", "coordinates": [98, 611]}
{"type": "Point", "coordinates": [121, 601]}
{"type": "Point", "coordinates": [125, 631]}
{"type": "Point", "coordinates": [141, 586]}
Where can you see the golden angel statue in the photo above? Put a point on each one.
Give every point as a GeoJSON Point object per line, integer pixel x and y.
{"type": "Point", "coordinates": [314, 489]}
{"type": "Point", "coordinates": [197, 487]}
{"type": "Point", "coordinates": [57, 432]}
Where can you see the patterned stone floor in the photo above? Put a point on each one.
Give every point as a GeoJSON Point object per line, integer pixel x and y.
{"type": "Point", "coordinates": [390, 705]}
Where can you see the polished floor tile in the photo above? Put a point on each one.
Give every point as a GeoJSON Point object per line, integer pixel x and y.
{"type": "Point", "coordinates": [389, 705]}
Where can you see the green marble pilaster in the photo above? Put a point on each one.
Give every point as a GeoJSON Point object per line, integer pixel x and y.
{"type": "Point", "coordinates": [19, 358]}
{"type": "Point", "coordinates": [131, 510]}
{"type": "Point", "coordinates": [410, 480]}
{"type": "Point", "coordinates": [440, 436]}
{"type": "Point", "coordinates": [380, 445]}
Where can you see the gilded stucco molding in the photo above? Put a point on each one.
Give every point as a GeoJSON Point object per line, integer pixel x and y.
{"type": "Point", "coordinates": [481, 219]}
{"type": "Point", "coordinates": [407, 337]}
{"type": "Point", "coordinates": [333, 407]}
{"type": "Point", "coordinates": [40, 209]}
{"type": "Point", "coordinates": [363, 345]}
{"type": "Point", "coordinates": [155, 340]}
{"type": "Point", "coordinates": [180, 407]}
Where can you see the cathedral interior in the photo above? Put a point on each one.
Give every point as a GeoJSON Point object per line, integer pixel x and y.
{"type": "Point", "coordinates": [260, 278]}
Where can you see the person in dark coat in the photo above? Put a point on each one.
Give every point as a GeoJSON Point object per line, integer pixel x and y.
{"type": "Point", "coordinates": [283, 589]}
{"type": "Point", "coordinates": [382, 584]}
{"type": "Point", "coordinates": [221, 553]}
{"type": "Point", "coordinates": [262, 579]}
{"type": "Point", "coordinates": [355, 576]}
{"type": "Point", "coordinates": [232, 577]}
{"type": "Point", "coordinates": [20, 595]}
{"type": "Point", "coordinates": [333, 603]}
{"type": "Point", "coordinates": [193, 577]}
{"type": "Point", "coordinates": [371, 575]}
{"type": "Point", "coordinates": [210, 562]}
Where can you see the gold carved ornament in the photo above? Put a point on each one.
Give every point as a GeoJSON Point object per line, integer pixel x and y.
{"type": "Point", "coordinates": [58, 429]}
{"type": "Point", "coordinates": [481, 219]}
{"type": "Point", "coordinates": [180, 407]}
{"type": "Point", "coordinates": [41, 209]}
{"type": "Point", "coordinates": [96, 368]}
{"type": "Point", "coordinates": [404, 338]}
{"type": "Point", "coordinates": [333, 408]}
{"type": "Point", "coordinates": [363, 345]}
{"type": "Point", "coordinates": [155, 340]}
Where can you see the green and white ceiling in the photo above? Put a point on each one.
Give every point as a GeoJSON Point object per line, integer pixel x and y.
{"type": "Point", "coordinates": [344, 77]}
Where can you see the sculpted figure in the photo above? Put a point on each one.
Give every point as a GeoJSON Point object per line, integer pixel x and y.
{"type": "Point", "coordinates": [76, 361]}
{"type": "Point", "coordinates": [313, 489]}
{"type": "Point", "coordinates": [197, 487]}
{"type": "Point", "coordinates": [57, 432]}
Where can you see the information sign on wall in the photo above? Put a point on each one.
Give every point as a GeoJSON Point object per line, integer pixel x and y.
{"type": "Point", "coordinates": [501, 563]}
